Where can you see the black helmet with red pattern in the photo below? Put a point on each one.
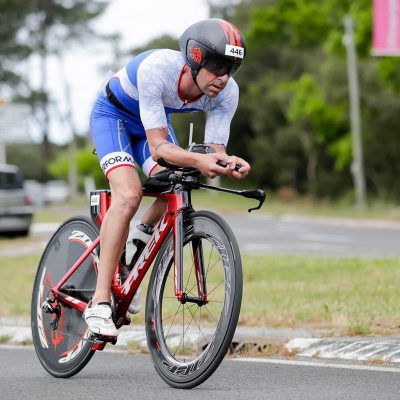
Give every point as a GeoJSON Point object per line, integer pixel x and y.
{"type": "Point", "coordinates": [214, 44]}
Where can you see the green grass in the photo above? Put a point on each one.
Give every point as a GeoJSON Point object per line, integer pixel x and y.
{"type": "Point", "coordinates": [4, 338]}
{"type": "Point", "coordinates": [350, 296]}
{"type": "Point", "coordinates": [345, 296]}
{"type": "Point", "coordinates": [16, 283]}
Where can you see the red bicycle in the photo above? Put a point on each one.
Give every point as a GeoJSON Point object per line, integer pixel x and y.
{"type": "Point", "coordinates": [194, 292]}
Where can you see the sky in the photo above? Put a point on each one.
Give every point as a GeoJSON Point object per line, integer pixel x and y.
{"type": "Point", "coordinates": [138, 22]}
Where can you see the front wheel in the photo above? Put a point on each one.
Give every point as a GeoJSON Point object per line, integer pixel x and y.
{"type": "Point", "coordinates": [189, 339]}
{"type": "Point", "coordinates": [65, 348]}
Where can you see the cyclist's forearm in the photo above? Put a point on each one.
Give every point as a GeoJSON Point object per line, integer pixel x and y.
{"type": "Point", "coordinates": [176, 155]}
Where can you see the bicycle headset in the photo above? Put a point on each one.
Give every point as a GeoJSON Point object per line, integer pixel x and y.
{"type": "Point", "coordinates": [213, 44]}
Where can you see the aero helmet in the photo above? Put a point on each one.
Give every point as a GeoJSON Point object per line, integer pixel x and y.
{"type": "Point", "coordinates": [214, 44]}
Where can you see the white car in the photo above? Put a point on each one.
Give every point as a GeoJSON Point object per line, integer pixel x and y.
{"type": "Point", "coordinates": [15, 205]}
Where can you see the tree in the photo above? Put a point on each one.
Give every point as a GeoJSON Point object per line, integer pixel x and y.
{"type": "Point", "coordinates": [294, 79]}
{"type": "Point", "coordinates": [53, 24]}
{"type": "Point", "coordinates": [41, 28]}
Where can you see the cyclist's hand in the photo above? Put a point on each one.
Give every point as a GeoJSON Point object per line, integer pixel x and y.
{"type": "Point", "coordinates": [207, 164]}
{"type": "Point", "coordinates": [237, 168]}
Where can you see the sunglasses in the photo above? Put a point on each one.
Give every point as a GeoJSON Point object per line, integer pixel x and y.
{"type": "Point", "coordinates": [220, 67]}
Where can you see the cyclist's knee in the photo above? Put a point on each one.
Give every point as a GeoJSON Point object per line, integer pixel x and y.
{"type": "Point", "coordinates": [126, 202]}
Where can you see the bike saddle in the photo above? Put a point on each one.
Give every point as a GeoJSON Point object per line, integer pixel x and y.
{"type": "Point", "coordinates": [159, 182]}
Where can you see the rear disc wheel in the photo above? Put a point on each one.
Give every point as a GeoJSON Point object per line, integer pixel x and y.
{"type": "Point", "coordinates": [64, 350]}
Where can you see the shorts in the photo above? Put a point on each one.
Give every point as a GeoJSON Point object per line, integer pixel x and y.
{"type": "Point", "coordinates": [120, 139]}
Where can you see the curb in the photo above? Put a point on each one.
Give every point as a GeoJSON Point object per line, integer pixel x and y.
{"type": "Point", "coordinates": [300, 343]}
{"type": "Point", "coordinates": [354, 349]}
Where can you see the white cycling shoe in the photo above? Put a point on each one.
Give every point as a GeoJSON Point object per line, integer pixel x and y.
{"type": "Point", "coordinates": [99, 320]}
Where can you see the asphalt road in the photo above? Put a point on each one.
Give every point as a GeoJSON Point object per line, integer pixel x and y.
{"type": "Point", "coordinates": [265, 234]}
{"type": "Point", "coordinates": [311, 236]}
{"type": "Point", "coordinates": [115, 375]}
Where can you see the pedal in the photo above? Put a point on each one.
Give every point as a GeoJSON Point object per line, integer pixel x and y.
{"type": "Point", "coordinates": [97, 338]}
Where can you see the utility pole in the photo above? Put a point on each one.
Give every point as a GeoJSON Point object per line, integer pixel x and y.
{"type": "Point", "coordinates": [357, 167]}
{"type": "Point", "coordinates": [68, 118]}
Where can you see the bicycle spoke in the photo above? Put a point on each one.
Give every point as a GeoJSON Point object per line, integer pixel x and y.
{"type": "Point", "coordinates": [178, 312]}
{"type": "Point", "coordinates": [209, 269]}
{"type": "Point", "coordinates": [198, 324]}
{"type": "Point", "coordinates": [171, 322]}
{"type": "Point", "coordinates": [216, 287]}
{"type": "Point", "coordinates": [212, 316]}
{"type": "Point", "coordinates": [183, 333]}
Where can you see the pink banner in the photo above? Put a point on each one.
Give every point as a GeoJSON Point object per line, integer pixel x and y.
{"type": "Point", "coordinates": [386, 34]}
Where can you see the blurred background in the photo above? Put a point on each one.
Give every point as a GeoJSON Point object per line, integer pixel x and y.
{"type": "Point", "coordinates": [318, 117]}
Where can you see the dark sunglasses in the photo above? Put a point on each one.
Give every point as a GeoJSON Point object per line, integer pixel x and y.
{"type": "Point", "coordinates": [220, 67]}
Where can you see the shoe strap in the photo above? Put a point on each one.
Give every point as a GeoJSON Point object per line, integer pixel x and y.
{"type": "Point", "coordinates": [100, 311]}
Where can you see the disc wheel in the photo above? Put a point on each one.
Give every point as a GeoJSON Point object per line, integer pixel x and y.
{"type": "Point", "coordinates": [66, 348]}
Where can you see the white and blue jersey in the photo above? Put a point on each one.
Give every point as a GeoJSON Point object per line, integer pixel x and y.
{"type": "Point", "coordinates": [148, 87]}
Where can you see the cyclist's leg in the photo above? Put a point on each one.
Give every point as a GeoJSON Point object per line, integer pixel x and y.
{"type": "Point", "coordinates": [142, 155]}
{"type": "Point", "coordinates": [114, 149]}
{"type": "Point", "coordinates": [126, 192]}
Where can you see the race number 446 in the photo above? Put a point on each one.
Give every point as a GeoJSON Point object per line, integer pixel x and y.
{"type": "Point", "coordinates": [234, 51]}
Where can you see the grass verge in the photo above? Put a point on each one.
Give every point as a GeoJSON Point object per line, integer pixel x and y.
{"type": "Point", "coordinates": [345, 296]}
{"type": "Point", "coordinates": [350, 296]}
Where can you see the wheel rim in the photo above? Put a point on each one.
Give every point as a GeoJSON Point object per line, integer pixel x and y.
{"type": "Point", "coordinates": [188, 329]}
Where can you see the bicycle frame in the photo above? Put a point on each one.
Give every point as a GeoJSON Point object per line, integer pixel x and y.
{"type": "Point", "coordinates": [178, 202]}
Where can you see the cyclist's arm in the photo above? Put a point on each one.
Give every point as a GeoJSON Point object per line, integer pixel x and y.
{"type": "Point", "coordinates": [161, 148]}
{"type": "Point", "coordinates": [218, 127]}
{"type": "Point", "coordinates": [219, 116]}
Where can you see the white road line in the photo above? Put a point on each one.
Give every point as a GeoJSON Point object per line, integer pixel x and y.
{"type": "Point", "coordinates": [293, 247]}
{"type": "Point", "coordinates": [325, 238]}
{"type": "Point", "coordinates": [318, 364]}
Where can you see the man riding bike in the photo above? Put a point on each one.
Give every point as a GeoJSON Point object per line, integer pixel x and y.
{"type": "Point", "coordinates": [130, 122]}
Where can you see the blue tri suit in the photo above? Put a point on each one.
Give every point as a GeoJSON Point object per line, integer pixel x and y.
{"type": "Point", "coordinates": [147, 88]}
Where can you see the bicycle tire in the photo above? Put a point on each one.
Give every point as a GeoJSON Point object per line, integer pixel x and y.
{"type": "Point", "coordinates": [175, 368]}
{"type": "Point", "coordinates": [63, 352]}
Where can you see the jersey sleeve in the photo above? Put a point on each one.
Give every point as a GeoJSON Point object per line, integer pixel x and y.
{"type": "Point", "coordinates": [150, 87]}
{"type": "Point", "coordinates": [219, 117]}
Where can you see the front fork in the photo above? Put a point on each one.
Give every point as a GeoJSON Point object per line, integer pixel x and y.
{"type": "Point", "coordinates": [197, 250]}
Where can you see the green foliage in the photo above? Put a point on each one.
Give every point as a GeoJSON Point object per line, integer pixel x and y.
{"type": "Point", "coordinates": [294, 97]}
{"type": "Point", "coordinates": [292, 123]}
{"type": "Point", "coordinates": [87, 165]}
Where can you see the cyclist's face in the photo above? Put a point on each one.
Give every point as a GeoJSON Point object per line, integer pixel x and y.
{"type": "Point", "coordinates": [211, 84]}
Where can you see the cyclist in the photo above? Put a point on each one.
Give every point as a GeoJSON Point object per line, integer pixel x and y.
{"type": "Point", "coordinates": [130, 122]}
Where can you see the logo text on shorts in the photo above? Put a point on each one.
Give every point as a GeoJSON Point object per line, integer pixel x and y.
{"type": "Point", "coordinates": [114, 159]}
